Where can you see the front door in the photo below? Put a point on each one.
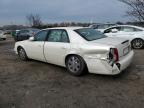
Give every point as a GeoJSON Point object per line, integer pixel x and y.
{"type": "Point", "coordinates": [56, 46]}
{"type": "Point", "coordinates": [35, 47]}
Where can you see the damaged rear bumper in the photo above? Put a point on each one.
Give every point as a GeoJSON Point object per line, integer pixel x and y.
{"type": "Point", "coordinates": [102, 66]}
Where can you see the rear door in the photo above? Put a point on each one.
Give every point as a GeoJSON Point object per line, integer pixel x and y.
{"type": "Point", "coordinates": [56, 46]}
{"type": "Point", "coordinates": [129, 32]}
{"type": "Point", "coordinates": [123, 32]}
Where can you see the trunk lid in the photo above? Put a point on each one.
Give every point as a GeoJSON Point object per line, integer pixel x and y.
{"type": "Point", "coordinates": [122, 45]}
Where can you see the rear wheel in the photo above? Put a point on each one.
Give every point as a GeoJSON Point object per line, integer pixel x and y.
{"type": "Point", "coordinates": [137, 43]}
{"type": "Point", "coordinates": [75, 65]}
{"type": "Point", "coordinates": [22, 54]}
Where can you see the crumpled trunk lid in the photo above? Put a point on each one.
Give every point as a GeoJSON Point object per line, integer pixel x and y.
{"type": "Point", "coordinates": [121, 44]}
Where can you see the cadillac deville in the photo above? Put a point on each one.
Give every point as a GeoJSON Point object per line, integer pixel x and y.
{"type": "Point", "coordinates": [78, 49]}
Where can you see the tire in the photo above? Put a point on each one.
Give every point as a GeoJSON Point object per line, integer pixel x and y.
{"type": "Point", "coordinates": [22, 54]}
{"type": "Point", "coordinates": [75, 65]}
{"type": "Point", "coordinates": [138, 43]}
{"type": "Point", "coordinates": [4, 39]}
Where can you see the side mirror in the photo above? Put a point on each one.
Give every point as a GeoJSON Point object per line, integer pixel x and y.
{"type": "Point", "coordinates": [114, 31]}
{"type": "Point", "coordinates": [31, 38]}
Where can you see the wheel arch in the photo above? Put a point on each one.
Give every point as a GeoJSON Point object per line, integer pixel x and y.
{"type": "Point", "coordinates": [19, 46]}
{"type": "Point", "coordinates": [137, 38]}
{"type": "Point", "coordinates": [18, 49]}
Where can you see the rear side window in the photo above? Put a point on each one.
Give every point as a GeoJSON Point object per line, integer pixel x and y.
{"type": "Point", "coordinates": [41, 36]}
{"type": "Point", "coordinates": [58, 36]}
{"type": "Point", "coordinates": [130, 29]}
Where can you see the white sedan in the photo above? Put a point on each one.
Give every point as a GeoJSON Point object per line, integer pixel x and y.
{"type": "Point", "coordinates": [78, 49]}
{"type": "Point", "coordinates": [134, 33]}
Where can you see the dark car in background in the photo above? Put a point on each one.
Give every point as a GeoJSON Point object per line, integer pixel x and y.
{"type": "Point", "coordinates": [24, 34]}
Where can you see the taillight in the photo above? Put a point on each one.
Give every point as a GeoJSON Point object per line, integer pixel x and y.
{"type": "Point", "coordinates": [116, 55]}
{"type": "Point", "coordinates": [113, 55]}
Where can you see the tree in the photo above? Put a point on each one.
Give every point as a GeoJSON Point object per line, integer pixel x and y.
{"type": "Point", "coordinates": [136, 9]}
{"type": "Point", "coordinates": [34, 20]}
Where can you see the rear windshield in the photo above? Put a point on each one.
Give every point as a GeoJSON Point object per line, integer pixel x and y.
{"type": "Point", "coordinates": [90, 34]}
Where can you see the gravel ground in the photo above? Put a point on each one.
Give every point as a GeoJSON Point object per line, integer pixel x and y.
{"type": "Point", "coordinates": [36, 84]}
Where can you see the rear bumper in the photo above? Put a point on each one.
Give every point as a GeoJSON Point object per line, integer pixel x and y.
{"type": "Point", "coordinates": [100, 66]}
{"type": "Point", "coordinates": [123, 63]}
{"type": "Point", "coordinates": [126, 61]}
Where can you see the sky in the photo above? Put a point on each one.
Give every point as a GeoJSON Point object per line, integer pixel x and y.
{"type": "Point", "coordinates": [52, 11]}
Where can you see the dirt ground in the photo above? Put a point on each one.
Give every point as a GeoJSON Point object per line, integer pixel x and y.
{"type": "Point", "coordinates": [36, 84]}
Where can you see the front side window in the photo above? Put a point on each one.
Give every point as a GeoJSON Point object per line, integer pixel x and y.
{"type": "Point", "coordinates": [41, 36]}
{"type": "Point", "coordinates": [90, 34]}
{"type": "Point", "coordinates": [112, 30]}
{"type": "Point", "coordinates": [58, 36]}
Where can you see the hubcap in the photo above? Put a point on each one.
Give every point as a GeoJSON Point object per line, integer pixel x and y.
{"type": "Point", "coordinates": [74, 64]}
{"type": "Point", "coordinates": [22, 54]}
{"type": "Point", "coordinates": [138, 43]}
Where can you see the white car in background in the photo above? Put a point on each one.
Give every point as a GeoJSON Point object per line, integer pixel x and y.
{"type": "Point", "coordinates": [2, 35]}
{"type": "Point", "coordinates": [78, 49]}
{"type": "Point", "coordinates": [101, 27]}
{"type": "Point", "coordinates": [134, 33]}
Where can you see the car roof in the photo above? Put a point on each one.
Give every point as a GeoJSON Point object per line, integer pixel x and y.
{"type": "Point", "coordinates": [127, 26]}
{"type": "Point", "coordinates": [29, 29]}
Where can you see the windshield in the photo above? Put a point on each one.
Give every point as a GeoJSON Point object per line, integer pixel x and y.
{"type": "Point", "coordinates": [90, 34]}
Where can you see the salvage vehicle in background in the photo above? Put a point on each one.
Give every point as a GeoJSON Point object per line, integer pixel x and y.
{"type": "Point", "coordinates": [14, 33]}
{"type": "Point", "coordinates": [78, 49]}
{"type": "Point", "coordinates": [24, 34]}
{"type": "Point", "coordinates": [2, 35]}
{"type": "Point", "coordinates": [134, 33]}
{"type": "Point", "coordinates": [101, 27]}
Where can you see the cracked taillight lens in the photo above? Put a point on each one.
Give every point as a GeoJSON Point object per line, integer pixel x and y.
{"type": "Point", "coordinates": [113, 55]}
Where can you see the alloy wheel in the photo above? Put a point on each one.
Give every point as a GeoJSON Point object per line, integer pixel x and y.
{"type": "Point", "coordinates": [74, 64]}
{"type": "Point", "coordinates": [137, 43]}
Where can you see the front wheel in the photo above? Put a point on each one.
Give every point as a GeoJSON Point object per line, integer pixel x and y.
{"type": "Point", "coordinates": [75, 65]}
{"type": "Point", "coordinates": [22, 54]}
{"type": "Point", "coordinates": [137, 43]}
{"type": "Point", "coordinates": [4, 38]}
